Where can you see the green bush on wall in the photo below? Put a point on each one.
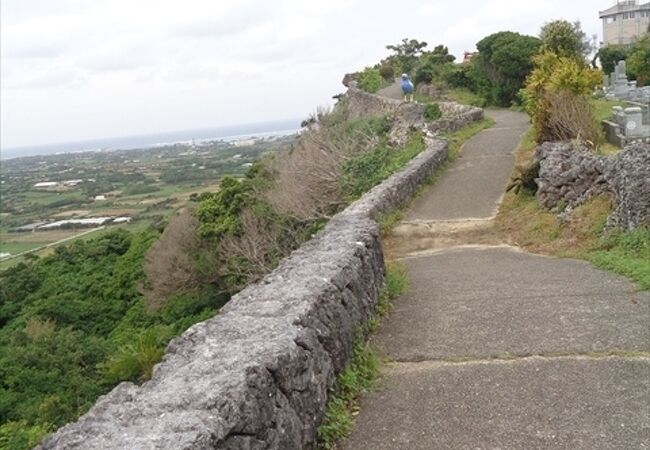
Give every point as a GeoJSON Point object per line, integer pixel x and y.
{"type": "Point", "coordinates": [432, 111]}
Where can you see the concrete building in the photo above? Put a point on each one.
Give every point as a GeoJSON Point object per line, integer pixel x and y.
{"type": "Point", "coordinates": [625, 22]}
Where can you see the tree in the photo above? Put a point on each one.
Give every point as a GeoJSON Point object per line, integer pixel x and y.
{"type": "Point", "coordinates": [565, 39]}
{"type": "Point", "coordinates": [638, 60]}
{"type": "Point", "coordinates": [406, 54]}
{"type": "Point", "coordinates": [502, 65]}
{"type": "Point", "coordinates": [610, 55]}
{"type": "Point", "coordinates": [434, 65]}
{"type": "Point", "coordinates": [440, 55]}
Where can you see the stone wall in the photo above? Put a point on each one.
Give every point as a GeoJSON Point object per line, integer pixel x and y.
{"type": "Point", "coordinates": [455, 116]}
{"type": "Point", "coordinates": [408, 116]}
{"type": "Point", "coordinates": [257, 375]}
{"type": "Point", "coordinates": [571, 174]}
{"type": "Point", "coordinates": [405, 116]}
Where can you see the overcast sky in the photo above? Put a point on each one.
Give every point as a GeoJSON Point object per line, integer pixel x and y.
{"type": "Point", "coordinates": [79, 69]}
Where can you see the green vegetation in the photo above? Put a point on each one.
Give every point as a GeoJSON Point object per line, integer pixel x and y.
{"type": "Point", "coordinates": [432, 111]}
{"type": "Point", "coordinates": [602, 108]}
{"type": "Point", "coordinates": [358, 377]}
{"type": "Point", "coordinates": [362, 173]}
{"type": "Point", "coordinates": [627, 253]}
{"type": "Point", "coordinates": [18, 247]}
{"type": "Point", "coordinates": [557, 97]}
{"type": "Point", "coordinates": [610, 55]}
{"type": "Point", "coordinates": [135, 183]}
{"type": "Point", "coordinates": [638, 60]}
{"type": "Point", "coordinates": [370, 80]}
{"type": "Point", "coordinates": [502, 65]}
{"type": "Point", "coordinates": [405, 55]}
{"type": "Point", "coordinates": [388, 220]}
{"type": "Point", "coordinates": [361, 373]}
{"type": "Point", "coordinates": [434, 65]}
{"type": "Point", "coordinates": [565, 39]}
{"type": "Point", "coordinates": [74, 324]}
{"type": "Point", "coordinates": [637, 57]}
{"type": "Point", "coordinates": [465, 96]}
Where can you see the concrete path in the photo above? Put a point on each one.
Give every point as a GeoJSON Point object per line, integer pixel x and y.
{"type": "Point", "coordinates": [473, 186]}
{"type": "Point", "coordinates": [494, 348]}
{"type": "Point", "coordinates": [392, 91]}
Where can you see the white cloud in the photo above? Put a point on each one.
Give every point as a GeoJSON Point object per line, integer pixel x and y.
{"type": "Point", "coordinates": [75, 69]}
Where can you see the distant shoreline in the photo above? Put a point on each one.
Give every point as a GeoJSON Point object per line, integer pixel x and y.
{"type": "Point", "coordinates": [225, 133]}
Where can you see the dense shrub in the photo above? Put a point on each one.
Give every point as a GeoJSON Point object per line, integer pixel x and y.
{"type": "Point", "coordinates": [639, 60]}
{"type": "Point", "coordinates": [568, 116]}
{"type": "Point", "coordinates": [556, 97]}
{"type": "Point", "coordinates": [249, 225]}
{"type": "Point", "coordinates": [387, 71]}
{"type": "Point", "coordinates": [610, 55]}
{"type": "Point", "coordinates": [434, 65]}
{"type": "Point", "coordinates": [459, 76]}
{"type": "Point", "coordinates": [63, 317]}
{"type": "Point", "coordinates": [366, 171]}
{"type": "Point", "coordinates": [432, 111]}
{"type": "Point", "coordinates": [370, 80]}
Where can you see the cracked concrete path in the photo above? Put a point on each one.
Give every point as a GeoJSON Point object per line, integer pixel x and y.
{"type": "Point", "coordinates": [495, 348]}
{"type": "Point", "coordinates": [473, 186]}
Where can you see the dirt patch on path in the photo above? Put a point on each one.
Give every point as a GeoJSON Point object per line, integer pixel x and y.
{"type": "Point", "coordinates": [410, 238]}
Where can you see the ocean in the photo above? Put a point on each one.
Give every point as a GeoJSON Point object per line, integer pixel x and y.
{"type": "Point", "coordinates": [226, 133]}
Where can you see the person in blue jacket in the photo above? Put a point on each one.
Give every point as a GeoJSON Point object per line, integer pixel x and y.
{"type": "Point", "coordinates": [407, 88]}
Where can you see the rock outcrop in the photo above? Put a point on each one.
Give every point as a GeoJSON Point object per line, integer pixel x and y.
{"type": "Point", "coordinates": [570, 174]}
{"type": "Point", "coordinates": [257, 375]}
{"type": "Point", "coordinates": [628, 178]}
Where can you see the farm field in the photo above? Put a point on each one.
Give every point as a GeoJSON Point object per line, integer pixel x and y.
{"type": "Point", "coordinates": [143, 185]}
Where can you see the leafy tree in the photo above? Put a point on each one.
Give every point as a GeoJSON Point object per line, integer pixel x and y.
{"type": "Point", "coordinates": [434, 65]}
{"type": "Point", "coordinates": [565, 39]}
{"type": "Point", "coordinates": [639, 60]}
{"type": "Point", "coordinates": [406, 54]}
{"type": "Point", "coordinates": [502, 65]}
{"type": "Point", "coordinates": [440, 54]}
{"type": "Point", "coordinates": [610, 55]}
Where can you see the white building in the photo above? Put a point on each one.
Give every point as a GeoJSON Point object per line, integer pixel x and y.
{"type": "Point", "coordinates": [46, 184]}
{"type": "Point", "coordinates": [89, 222]}
{"type": "Point", "coordinates": [244, 143]}
{"type": "Point", "coordinates": [625, 22]}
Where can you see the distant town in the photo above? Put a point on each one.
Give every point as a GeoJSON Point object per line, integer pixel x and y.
{"type": "Point", "coordinates": [50, 199]}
